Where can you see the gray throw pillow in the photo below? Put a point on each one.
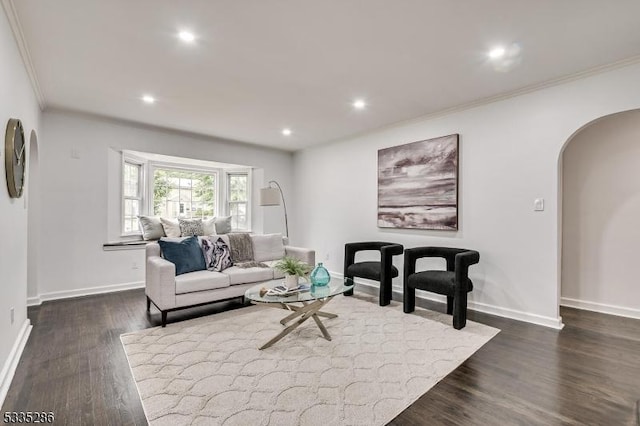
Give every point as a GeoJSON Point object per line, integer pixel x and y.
{"type": "Point", "coordinates": [223, 225]}
{"type": "Point", "coordinates": [151, 227]}
{"type": "Point", "coordinates": [189, 227]}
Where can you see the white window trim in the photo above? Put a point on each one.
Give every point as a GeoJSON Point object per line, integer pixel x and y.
{"type": "Point", "coordinates": [147, 168]}
{"type": "Point", "coordinates": [141, 191]}
{"type": "Point", "coordinates": [246, 172]}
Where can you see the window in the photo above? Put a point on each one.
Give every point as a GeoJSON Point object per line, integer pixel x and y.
{"type": "Point", "coordinates": [184, 193]}
{"type": "Point", "coordinates": [132, 196]}
{"type": "Point", "coordinates": [238, 199]}
{"type": "Point", "coordinates": [173, 187]}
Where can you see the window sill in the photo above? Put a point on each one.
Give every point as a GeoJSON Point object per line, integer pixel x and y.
{"type": "Point", "coordinates": [125, 245]}
{"type": "Point", "coordinates": [140, 244]}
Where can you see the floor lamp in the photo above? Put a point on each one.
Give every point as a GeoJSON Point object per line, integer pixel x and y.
{"type": "Point", "coordinates": [270, 196]}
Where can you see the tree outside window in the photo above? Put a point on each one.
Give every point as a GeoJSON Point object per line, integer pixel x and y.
{"type": "Point", "coordinates": [185, 194]}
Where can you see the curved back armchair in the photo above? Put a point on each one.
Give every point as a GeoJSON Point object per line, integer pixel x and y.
{"type": "Point", "coordinates": [453, 283]}
{"type": "Point", "coordinates": [382, 271]}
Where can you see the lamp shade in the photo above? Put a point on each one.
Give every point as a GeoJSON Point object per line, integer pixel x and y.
{"type": "Point", "coordinates": [269, 197]}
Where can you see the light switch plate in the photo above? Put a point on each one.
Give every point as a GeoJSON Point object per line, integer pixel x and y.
{"type": "Point", "coordinates": [538, 204]}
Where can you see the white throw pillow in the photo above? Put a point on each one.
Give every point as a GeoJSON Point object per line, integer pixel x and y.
{"type": "Point", "coordinates": [209, 226]}
{"type": "Point", "coordinates": [171, 227]}
{"type": "Point", "coordinates": [267, 247]}
{"type": "Point", "coordinates": [151, 227]}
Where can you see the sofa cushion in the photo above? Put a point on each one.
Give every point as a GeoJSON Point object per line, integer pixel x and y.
{"type": "Point", "coordinates": [248, 275]}
{"type": "Point", "coordinates": [185, 254]}
{"type": "Point", "coordinates": [200, 281]}
{"type": "Point", "coordinates": [277, 273]}
{"type": "Point", "coordinates": [151, 227]}
{"type": "Point", "coordinates": [267, 247]}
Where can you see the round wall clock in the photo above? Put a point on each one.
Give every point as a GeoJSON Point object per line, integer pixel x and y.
{"type": "Point", "coordinates": [15, 161]}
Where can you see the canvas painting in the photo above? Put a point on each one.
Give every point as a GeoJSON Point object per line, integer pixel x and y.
{"type": "Point", "coordinates": [418, 185]}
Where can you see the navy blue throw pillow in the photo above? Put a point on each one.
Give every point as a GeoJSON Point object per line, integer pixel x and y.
{"type": "Point", "coordinates": [185, 254]}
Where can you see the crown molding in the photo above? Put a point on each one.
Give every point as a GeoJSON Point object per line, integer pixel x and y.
{"type": "Point", "coordinates": [16, 28]}
{"type": "Point", "coordinates": [536, 87]}
{"type": "Point", "coordinates": [601, 69]}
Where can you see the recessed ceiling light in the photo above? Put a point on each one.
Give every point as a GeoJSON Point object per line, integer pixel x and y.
{"type": "Point", "coordinates": [148, 99]}
{"type": "Point", "coordinates": [186, 36]}
{"type": "Point", "coordinates": [359, 104]}
{"type": "Point", "coordinates": [286, 132]}
{"type": "Point", "coordinates": [497, 52]}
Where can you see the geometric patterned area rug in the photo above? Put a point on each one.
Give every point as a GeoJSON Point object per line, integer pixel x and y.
{"type": "Point", "coordinates": [209, 370]}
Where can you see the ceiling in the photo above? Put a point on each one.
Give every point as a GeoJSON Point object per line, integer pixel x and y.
{"type": "Point", "coordinates": [258, 66]}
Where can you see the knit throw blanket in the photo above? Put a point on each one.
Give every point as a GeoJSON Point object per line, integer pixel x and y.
{"type": "Point", "coordinates": [251, 264]}
{"type": "Point", "coordinates": [242, 251]}
{"type": "Point", "coordinates": [241, 247]}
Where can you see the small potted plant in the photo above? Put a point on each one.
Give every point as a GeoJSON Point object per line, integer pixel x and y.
{"type": "Point", "coordinates": [292, 269]}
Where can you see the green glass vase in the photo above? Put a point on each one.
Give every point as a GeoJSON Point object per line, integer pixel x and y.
{"type": "Point", "coordinates": [320, 276]}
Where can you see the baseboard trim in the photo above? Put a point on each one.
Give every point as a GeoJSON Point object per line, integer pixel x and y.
{"type": "Point", "coordinates": [9, 368]}
{"type": "Point", "coordinates": [551, 322]}
{"type": "Point", "coordinates": [555, 323]}
{"type": "Point", "coordinates": [66, 294]}
{"type": "Point", "coordinates": [34, 301]}
{"type": "Point", "coordinates": [602, 308]}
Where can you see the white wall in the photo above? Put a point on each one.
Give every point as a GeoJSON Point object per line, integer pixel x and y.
{"type": "Point", "coordinates": [33, 196]}
{"type": "Point", "coordinates": [509, 155]}
{"type": "Point", "coordinates": [80, 202]}
{"type": "Point", "coordinates": [601, 210]}
{"type": "Point", "coordinates": [17, 100]}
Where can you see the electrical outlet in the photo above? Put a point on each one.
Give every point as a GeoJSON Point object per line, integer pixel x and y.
{"type": "Point", "coordinates": [12, 315]}
{"type": "Point", "coordinates": [134, 265]}
{"type": "Point", "coordinates": [327, 257]}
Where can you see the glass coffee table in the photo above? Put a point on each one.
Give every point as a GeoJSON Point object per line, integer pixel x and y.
{"type": "Point", "coordinates": [303, 305]}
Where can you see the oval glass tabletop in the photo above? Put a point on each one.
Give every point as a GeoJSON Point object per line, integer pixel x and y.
{"type": "Point", "coordinates": [260, 293]}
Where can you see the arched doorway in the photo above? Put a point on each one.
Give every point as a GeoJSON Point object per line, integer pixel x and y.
{"type": "Point", "coordinates": [599, 211]}
{"type": "Point", "coordinates": [33, 206]}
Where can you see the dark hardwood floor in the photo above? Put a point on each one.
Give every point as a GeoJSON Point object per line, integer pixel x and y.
{"type": "Point", "coordinates": [74, 365]}
{"type": "Point", "coordinates": [588, 373]}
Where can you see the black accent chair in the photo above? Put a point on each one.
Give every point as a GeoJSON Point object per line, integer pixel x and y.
{"type": "Point", "coordinates": [382, 271]}
{"type": "Point", "coordinates": [453, 283]}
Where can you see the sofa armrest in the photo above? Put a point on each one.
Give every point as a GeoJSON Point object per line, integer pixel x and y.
{"type": "Point", "coordinates": [160, 282]}
{"type": "Point", "coordinates": [306, 255]}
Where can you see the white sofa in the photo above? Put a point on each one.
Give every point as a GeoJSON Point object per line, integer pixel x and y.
{"type": "Point", "coordinates": [169, 292]}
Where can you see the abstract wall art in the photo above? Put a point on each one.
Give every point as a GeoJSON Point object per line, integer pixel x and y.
{"type": "Point", "coordinates": [418, 185]}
